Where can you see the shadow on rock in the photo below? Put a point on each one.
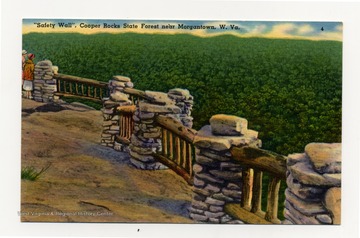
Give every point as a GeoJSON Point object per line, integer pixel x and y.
{"type": "Point", "coordinates": [57, 107]}
{"type": "Point", "coordinates": [108, 153]}
{"type": "Point", "coordinates": [51, 107]}
{"type": "Point", "coordinates": [171, 206]}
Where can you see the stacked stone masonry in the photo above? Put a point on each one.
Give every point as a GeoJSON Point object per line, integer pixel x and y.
{"type": "Point", "coordinates": [44, 83]}
{"type": "Point", "coordinates": [146, 138]}
{"type": "Point", "coordinates": [185, 102]}
{"type": "Point", "coordinates": [217, 180]}
{"type": "Point", "coordinates": [117, 98]}
{"type": "Point", "coordinates": [313, 194]}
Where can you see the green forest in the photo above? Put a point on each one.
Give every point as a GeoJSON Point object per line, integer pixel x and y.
{"type": "Point", "coordinates": [289, 90]}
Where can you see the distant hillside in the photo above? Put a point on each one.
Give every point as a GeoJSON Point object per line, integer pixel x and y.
{"type": "Point", "coordinates": [289, 90]}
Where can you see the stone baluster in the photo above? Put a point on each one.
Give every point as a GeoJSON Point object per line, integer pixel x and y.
{"type": "Point", "coordinates": [184, 100]}
{"type": "Point", "coordinates": [146, 138]}
{"type": "Point", "coordinates": [313, 193]}
{"type": "Point", "coordinates": [44, 83]}
{"type": "Point", "coordinates": [217, 180]}
{"type": "Point", "coordinates": [117, 98]}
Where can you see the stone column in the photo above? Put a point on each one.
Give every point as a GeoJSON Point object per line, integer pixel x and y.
{"type": "Point", "coordinates": [117, 98]}
{"type": "Point", "coordinates": [217, 179]}
{"type": "Point", "coordinates": [313, 195]}
{"type": "Point", "coordinates": [146, 138]}
{"type": "Point", "coordinates": [44, 83]}
{"type": "Point", "coordinates": [184, 100]}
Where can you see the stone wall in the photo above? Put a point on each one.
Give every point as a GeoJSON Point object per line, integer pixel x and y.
{"type": "Point", "coordinates": [44, 83]}
{"type": "Point", "coordinates": [146, 138]}
{"type": "Point", "coordinates": [217, 180]}
{"type": "Point", "coordinates": [313, 195]}
{"type": "Point", "coordinates": [117, 98]}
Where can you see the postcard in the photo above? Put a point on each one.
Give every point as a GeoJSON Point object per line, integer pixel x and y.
{"type": "Point", "coordinates": [181, 121]}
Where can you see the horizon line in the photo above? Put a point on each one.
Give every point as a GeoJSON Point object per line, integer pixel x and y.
{"type": "Point", "coordinates": [190, 34]}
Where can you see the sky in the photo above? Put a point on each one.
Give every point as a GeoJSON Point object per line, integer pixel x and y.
{"type": "Point", "coordinates": [265, 29]}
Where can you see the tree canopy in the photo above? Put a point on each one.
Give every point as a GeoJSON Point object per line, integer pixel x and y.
{"type": "Point", "coordinates": [289, 90]}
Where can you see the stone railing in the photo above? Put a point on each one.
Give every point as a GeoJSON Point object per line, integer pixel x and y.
{"type": "Point", "coordinates": [49, 85]}
{"type": "Point", "coordinates": [146, 138]}
{"type": "Point", "coordinates": [313, 178]}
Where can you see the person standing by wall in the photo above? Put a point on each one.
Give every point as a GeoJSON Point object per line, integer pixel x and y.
{"type": "Point", "coordinates": [29, 68]}
{"type": "Point", "coordinates": [24, 53]}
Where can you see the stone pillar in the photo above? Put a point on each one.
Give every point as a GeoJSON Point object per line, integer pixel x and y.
{"type": "Point", "coordinates": [146, 138]}
{"type": "Point", "coordinates": [44, 83]}
{"type": "Point", "coordinates": [313, 195]}
{"type": "Point", "coordinates": [117, 98]}
{"type": "Point", "coordinates": [185, 102]}
{"type": "Point", "coordinates": [217, 180]}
